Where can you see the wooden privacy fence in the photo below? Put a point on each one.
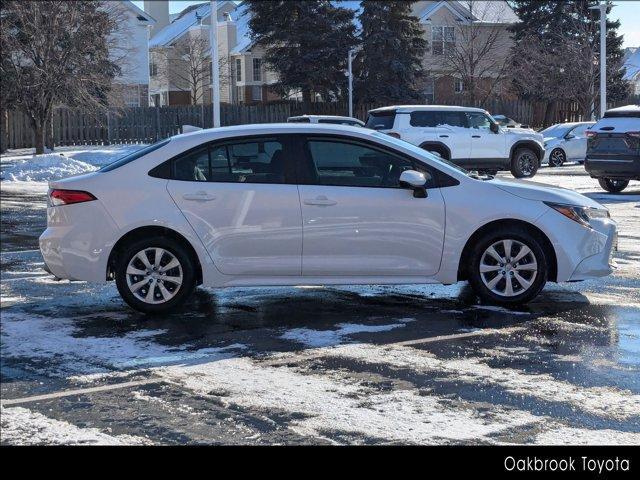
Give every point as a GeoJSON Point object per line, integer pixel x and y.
{"type": "Point", "coordinates": [149, 124]}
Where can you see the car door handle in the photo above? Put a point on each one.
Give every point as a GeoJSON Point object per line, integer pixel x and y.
{"type": "Point", "coordinates": [475, 136]}
{"type": "Point", "coordinates": [320, 200]}
{"type": "Point", "coordinates": [444, 136]}
{"type": "Point", "coordinates": [199, 197]}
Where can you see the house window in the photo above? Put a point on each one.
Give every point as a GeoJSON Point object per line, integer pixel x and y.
{"type": "Point", "coordinates": [240, 94]}
{"type": "Point", "coordinates": [238, 69]}
{"type": "Point", "coordinates": [458, 85]}
{"type": "Point", "coordinates": [131, 96]}
{"type": "Point", "coordinates": [256, 93]}
{"type": "Point", "coordinates": [443, 40]}
{"type": "Point", "coordinates": [153, 70]}
{"type": "Point", "coordinates": [429, 89]}
{"type": "Point", "coordinates": [257, 70]}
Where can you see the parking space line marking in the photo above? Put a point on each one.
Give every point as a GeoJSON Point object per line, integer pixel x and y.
{"type": "Point", "coordinates": [15, 252]}
{"type": "Point", "coordinates": [80, 391]}
{"type": "Point", "coordinates": [418, 341]}
{"type": "Point", "coordinates": [455, 336]}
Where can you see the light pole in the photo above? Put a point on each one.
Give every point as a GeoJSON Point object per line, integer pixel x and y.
{"type": "Point", "coordinates": [215, 64]}
{"type": "Point", "coordinates": [602, 6]}
{"type": "Point", "coordinates": [350, 70]}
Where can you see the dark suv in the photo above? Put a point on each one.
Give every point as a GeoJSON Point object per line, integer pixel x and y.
{"type": "Point", "coordinates": [613, 148]}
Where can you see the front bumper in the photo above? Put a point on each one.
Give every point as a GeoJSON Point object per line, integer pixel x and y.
{"type": "Point", "coordinates": [600, 264]}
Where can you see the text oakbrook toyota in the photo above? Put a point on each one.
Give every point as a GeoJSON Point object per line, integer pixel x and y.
{"type": "Point", "coordinates": [305, 204]}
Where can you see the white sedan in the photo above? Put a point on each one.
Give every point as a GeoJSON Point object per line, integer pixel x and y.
{"type": "Point", "coordinates": [296, 204]}
{"type": "Point", "coordinates": [565, 142]}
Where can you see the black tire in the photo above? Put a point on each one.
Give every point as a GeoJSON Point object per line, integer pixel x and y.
{"type": "Point", "coordinates": [524, 163]}
{"type": "Point", "coordinates": [186, 264]}
{"type": "Point", "coordinates": [557, 157]}
{"type": "Point", "coordinates": [523, 236]}
{"type": "Point", "coordinates": [613, 186]}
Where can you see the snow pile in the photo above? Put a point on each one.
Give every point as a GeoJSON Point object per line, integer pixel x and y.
{"type": "Point", "coordinates": [24, 427]}
{"type": "Point", "coordinates": [42, 168]}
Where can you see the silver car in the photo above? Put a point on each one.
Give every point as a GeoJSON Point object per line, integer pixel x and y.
{"type": "Point", "coordinates": [565, 142]}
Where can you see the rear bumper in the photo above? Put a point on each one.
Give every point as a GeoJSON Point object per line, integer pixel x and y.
{"type": "Point", "coordinates": [77, 241]}
{"type": "Point", "coordinates": [617, 167]}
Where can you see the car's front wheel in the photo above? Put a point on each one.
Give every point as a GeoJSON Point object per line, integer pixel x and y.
{"type": "Point", "coordinates": [524, 163]}
{"type": "Point", "coordinates": [508, 267]}
{"type": "Point", "coordinates": [557, 158]}
{"type": "Point", "coordinates": [612, 185]}
{"type": "Point", "coordinates": [155, 275]}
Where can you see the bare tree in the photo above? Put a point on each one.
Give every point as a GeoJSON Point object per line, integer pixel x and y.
{"type": "Point", "coordinates": [478, 51]}
{"type": "Point", "coordinates": [186, 65]}
{"type": "Point", "coordinates": [54, 51]}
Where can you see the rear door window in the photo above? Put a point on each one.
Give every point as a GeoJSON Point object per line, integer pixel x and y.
{"type": "Point", "coordinates": [244, 161]}
{"type": "Point", "coordinates": [437, 118]}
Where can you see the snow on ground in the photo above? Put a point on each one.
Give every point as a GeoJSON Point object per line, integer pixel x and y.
{"type": "Point", "coordinates": [21, 426]}
{"type": "Point", "coordinates": [24, 166]}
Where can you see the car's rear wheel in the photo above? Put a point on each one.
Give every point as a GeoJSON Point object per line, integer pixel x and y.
{"type": "Point", "coordinates": [557, 158]}
{"type": "Point", "coordinates": [524, 163]}
{"type": "Point", "coordinates": [155, 275]}
{"type": "Point", "coordinates": [612, 185]}
{"type": "Point", "coordinates": [508, 267]}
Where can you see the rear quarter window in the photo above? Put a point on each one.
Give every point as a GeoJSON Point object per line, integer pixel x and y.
{"type": "Point", "coordinates": [381, 120]}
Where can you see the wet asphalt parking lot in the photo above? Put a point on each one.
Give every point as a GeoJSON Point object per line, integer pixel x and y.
{"type": "Point", "coordinates": [364, 365]}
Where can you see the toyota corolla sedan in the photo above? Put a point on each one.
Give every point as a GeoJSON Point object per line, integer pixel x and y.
{"type": "Point", "coordinates": [296, 204]}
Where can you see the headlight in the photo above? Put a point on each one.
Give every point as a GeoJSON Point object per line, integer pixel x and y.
{"type": "Point", "coordinates": [582, 215]}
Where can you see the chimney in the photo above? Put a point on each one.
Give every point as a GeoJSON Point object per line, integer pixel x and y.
{"type": "Point", "coordinates": [159, 10]}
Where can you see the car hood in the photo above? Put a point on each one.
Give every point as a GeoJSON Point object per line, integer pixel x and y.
{"type": "Point", "coordinates": [544, 193]}
{"type": "Point", "coordinates": [525, 133]}
{"type": "Point", "coordinates": [550, 139]}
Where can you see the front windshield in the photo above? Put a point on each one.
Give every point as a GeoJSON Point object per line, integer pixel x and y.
{"type": "Point", "coordinates": [555, 131]}
{"type": "Point", "coordinates": [420, 151]}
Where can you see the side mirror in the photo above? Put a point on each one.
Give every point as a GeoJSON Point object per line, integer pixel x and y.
{"type": "Point", "coordinates": [495, 128]}
{"type": "Point", "coordinates": [569, 136]}
{"type": "Point", "coordinates": [416, 181]}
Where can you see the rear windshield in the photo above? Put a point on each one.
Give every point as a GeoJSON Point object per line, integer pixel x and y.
{"type": "Point", "coordinates": [134, 156]}
{"type": "Point", "coordinates": [631, 113]}
{"type": "Point", "coordinates": [617, 125]}
{"type": "Point", "coordinates": [381, 120]}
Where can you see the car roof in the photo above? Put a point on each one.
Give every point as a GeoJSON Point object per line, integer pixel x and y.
{"type": "Point", "coordinates": [329, 117]}
{"type": "Point", "coordinates": [572, 124]}
{"type": "Point", "coordinates": [426, 108]}
{"type": "Point", "coordinates": [625, 109]}
{"type": "Point", "coordinates": [270, 129]}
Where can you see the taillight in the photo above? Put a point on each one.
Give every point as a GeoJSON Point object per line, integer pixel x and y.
{"type": "Point", "coordinates": [634, 134]}
{"type": "Point", "coordinates": [393, 134]}
{"type": "Point", "coordinates": [590, 133]}
{"type": "Point", "coordinates": [67, 197]}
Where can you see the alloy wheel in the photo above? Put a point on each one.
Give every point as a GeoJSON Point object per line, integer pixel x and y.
{"type": "Point", "coordinates": [508, 268]}
{"type": "Point", "coordinates": [154, 275]}
{"type": "Point", "coordinates": [525, 163]}
{"type": "Point", "coordinates": [557, 158]}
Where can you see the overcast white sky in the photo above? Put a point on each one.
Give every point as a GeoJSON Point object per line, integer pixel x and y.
{"type": "Point", "coordinates": [628, 12]}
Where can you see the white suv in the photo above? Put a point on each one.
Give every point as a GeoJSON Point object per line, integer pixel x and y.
{"type": "Point", "coordinates": [469, 137]}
